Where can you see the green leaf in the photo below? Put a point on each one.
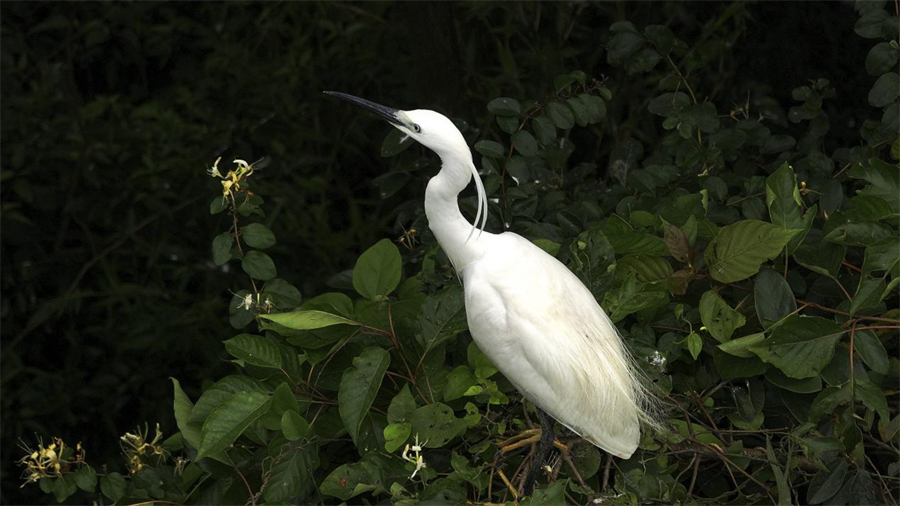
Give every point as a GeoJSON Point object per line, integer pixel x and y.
{"type": "Point", "coordinates": [881, 58]}
{"type": "Point", "coordinates": [582, 115]}
{"type": "Point", "coordinates": [217, 394]}
{"type": "Point", "coordinates": [308, 320]}
{"type": "Point", "coordinates": [524, 143]}
{"type": "Point", "coordinates": [218, 205]}
{"type": "Point", "coordinates": [395, 142]}
{"type": "Point", "coordinates": [669, 105]}
{"type": "Point", "coordinates": [402, 407]}
{"type": "Point", "coordinates": [259, 265]}
{"type": "Point", "coordinates": [554, 494]}
{"type": "Point", "coordinates": [545, 129]}
{"type": "Point", "coordinates": [633, 296]}
{"type": "Point", "coordinates": [677, 242]}
{"type": "Point", "coordinates": [283, 294]}
{"type": "Point", "coordinates": [637, 242]}
{"type": "Point", "coordinates": [739, 249]}
{"type": "Point", "coordinates": [873, 397]}
{"type": "Point", "coordinates": [86, 478]}
{"type": "Point", "coordinates": [626, 41]}
{"type": "Point", "coordinates": [590, 257]}
{"type": "Point", "coordinates": [561, 115]}
{"type": "Point", "coordinates": [871, 351]}
{"type": "Point", "coordinates": [802, 346]}
{"type": "Point", "coordinates": [359, 385]}
{"type": "Point", "coordinates": [458, 382]}
{"type": "Point", "coordinates": [183, 407]}
{"type": "Point", "coordinates": [443, 316]}
{"type": "Point", "coordinates": [347, 481]}
{"type": "Point", "coordinates": [221, 248]}
{"type": "Point", "coordinates": [228, 421]}
{"type": "Point", "coordinates": [823, 258]}
{"type": "Point", "coordinates": [254, 350]}
{"type": "Point", "coordinates": [505, 107]}
{"type": "Point", "coordinates": [647, 269]}
{"type": "Point", "coordinates": [291, 475]}
{"type": "Point", "coordinates": [885, 90]}
{"type": "Point", "coordinates": [825, 484]}
{"type": "Point", "coordinates": [743, 346]}
{"type": "Point", "coordinates": [395, 434]}
{"type": "Point", "coordinates": [884, 179]}
{"type": "Point", "coordinates": [881, 256]}
{"type": "Point", "coordinates": [695, 344]}
{"type": "Point", "coordinates": [801, 386]}
{"type": "Point", "coordinates": [293, 426]}
{"type": "Point", "coordinates": [773, 297]}
{"type": "Point", "coordinates": [720, 320]}
{"type": "Point", "coordinates": [868, 294]}
{"type": "Point", "coordinates": [783, 198]}
{"type": "Point", "coordinates": [283, 400]}
{"type": "Point", "coordinates": [859, 234]}
{"type": "Point", "coordinates": [436, 424]}
{"type": "Point", "coordinates": [377, 272]}
{"type": "Point", "coordinates": [113, 486]}
{"type": "Point", "coordinates": [490, 149]}
{"type": "Point", "coordinates": [257, 235]}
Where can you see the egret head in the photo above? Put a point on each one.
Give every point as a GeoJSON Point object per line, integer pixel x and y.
{"type": "Point", "coordinates": [431, 129]}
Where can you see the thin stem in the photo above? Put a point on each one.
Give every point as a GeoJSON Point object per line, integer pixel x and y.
{"type": "Point", "coordinates": [246, 483]}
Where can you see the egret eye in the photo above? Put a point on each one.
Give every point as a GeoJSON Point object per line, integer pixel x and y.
{"type": "Point", "coordinates": [417, 128]}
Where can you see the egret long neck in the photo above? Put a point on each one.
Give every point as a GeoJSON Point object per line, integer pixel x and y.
{"type": "Point", "coordinates": [450, 228]}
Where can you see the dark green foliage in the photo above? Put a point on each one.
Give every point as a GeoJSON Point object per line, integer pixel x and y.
{"type": "Point", "coordinates": [740, 234]}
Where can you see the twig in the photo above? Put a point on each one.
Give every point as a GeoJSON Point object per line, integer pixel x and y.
{"type": "Point", "coordinates": [690, 489]}
{"type": "Point", "coordinates": [246, 484]}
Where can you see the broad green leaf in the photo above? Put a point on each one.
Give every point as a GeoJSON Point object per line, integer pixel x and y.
{"type": "Point", "coordinates": [872, 352]}
{"type": "Point", "coordinates": [291, 474]}
{"type": "Point", "coordinates": [347, 481]}
{"type": "Point", "coordinates": [669, 105]}
{"type": "Point", "coordinates": [884, 181]}
{"type": "Point", "coordinates": [443, 316]}
{"type": "Point", "coordinates": [458, 382]}
{"type": "Point", "coordinates": [218, 393]}
{"type": "Point", "coordinates": [283, 400]}
{"type": "Point", "coordinates": [86, 478]}
{"type": "Point", "coordinates": [637, 242]}
{"type": "Point", "coordinates": [436, 424]}
{"type": "Point", "coordinates": [402, 407]}
{"type": "Point", "coordinates": [505, 107]}
{"type": "Point", "coordinates": [648, 269]}
{"type": "Point", "coordinates": [395, 142]}
{"type": "Point", "coordinates": [395, 435]}
{"type": "Point", "coordinates": [218, 205]}
{"type": "Point", "coordinates": [254, 350]}
{"type": "Point", "coordinates": [113, 486]}
{"type": "Point", "coordinates": [801, 386]}
{"type": "Point", "coordinates": [802, 346]}
{"type": "Point", "coordinates": [720, 320]}
{"type": "Point", "coordinates": [221, 248]}
{"type": "Point", "coordinates": [228, 421]}
{"type": "Point", "coordinates": [868, 294]}
{"type": "Point", "coordinates": [561, 115]}
{"type": "Point", "coordinates": [885, 90]}
{"type": "Point", "coordinates": [293, 426]}
{"type": "Point", "coordinates": [633, 296]}
{"type": "Point", "coordinates": [590, 257]}
{"type": "Point", "coordinates": [377, 272]}
{"type": "Point", "coordinates": [743, 346]}
{"type": "Point", "coordinates": [283, 294]}
{"type": "Point", "coordinates": [544, 129]}
{"type": "Point", "coordinates": [524, 143]}
{"type": "Point", "coordinates": [480, 362]}
{"type": "Point", "coordinates": [490, 149]}
{"type": "Point", "coordinates": [881, 58]}
{"type": "Point", "coordinates": [259, 265]}
{"type": "Point", "coordinates": [823, 258]}
{"type": "Point", "coordinates": [694, 344]}
{"type": "Point", "coordinates": [783, 198]}
{"type": "Point", "coordinates": [359, 385]}
{"type": "Point", "coordinates": [873, 397]}
{"type": "Point", "coordinates": [308, 320]}
{"type": "Point", "coordinates": [257, 235]}
{"type": "Point", "coordinates": [825, 484]}
{"type": "Point", "coordinates": [773, 297]}
{"type": "Point", "coordinates": [183, 407]}
{"type": "Point", "coordinates": [625, 42]}
{"type": "Point", "coordinates": [881, 256]}
{"type": "Point", "coordinates": [582, 115]}
{"type": "Point", "coordinates": [553, 494]}
{"type": "Point", "coordinates": [859, 234]}
{"type": "Point", "coordinates": [740, 249]}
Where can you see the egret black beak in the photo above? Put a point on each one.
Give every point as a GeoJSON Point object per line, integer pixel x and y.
{"type": "Point", "coordinates": [387, 113]}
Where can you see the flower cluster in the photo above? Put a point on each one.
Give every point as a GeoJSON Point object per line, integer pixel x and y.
{"type": "Point", "coordinates": [416, 459]}
{"type": "Point", "coordinates": [140, 452]}
{"type": "Point", "coordinates": [50, 461]}
{"type": "Point", "coordinates": [231, 182]}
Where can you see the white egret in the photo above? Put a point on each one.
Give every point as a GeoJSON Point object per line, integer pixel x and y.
{"type": "Point", "coordinates": [535, 320]}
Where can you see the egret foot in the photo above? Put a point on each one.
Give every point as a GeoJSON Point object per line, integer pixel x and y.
{"type": "Point", "coordinates": [545, 444]}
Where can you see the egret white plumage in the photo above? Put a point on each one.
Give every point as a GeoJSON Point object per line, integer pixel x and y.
{"type": "Point", "coordinates": [535, 320]}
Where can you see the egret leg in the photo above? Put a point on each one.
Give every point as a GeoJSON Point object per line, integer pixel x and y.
{"type": "Point", "coordinates": [543, 449]}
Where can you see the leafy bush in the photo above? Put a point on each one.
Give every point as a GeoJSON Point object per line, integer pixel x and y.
{"type": "Point", "coordinates": [752, 273]}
